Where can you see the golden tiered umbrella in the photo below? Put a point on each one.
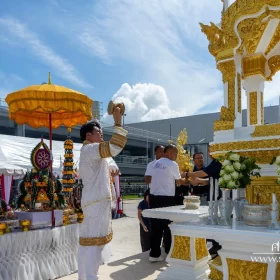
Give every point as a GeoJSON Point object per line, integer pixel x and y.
{"type": "Point", "coordinates": [49, 105]}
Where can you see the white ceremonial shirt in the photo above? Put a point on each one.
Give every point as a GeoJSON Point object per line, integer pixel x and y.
{"type": "Point", "coordinates": [149, 169]}
{"type": "Point", "coordinates": [164, 174]}
{"type": "Point", "coordinates": [94, 168]}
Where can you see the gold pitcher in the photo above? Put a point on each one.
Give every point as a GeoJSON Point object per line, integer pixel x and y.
{"type": "Point", "coordinates": [112, 106]}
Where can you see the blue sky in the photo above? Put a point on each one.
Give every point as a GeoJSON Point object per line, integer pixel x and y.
{"type": "Point", "coordinates": [148, 53]}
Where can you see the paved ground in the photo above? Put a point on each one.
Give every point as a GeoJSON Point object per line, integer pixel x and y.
{"type": "Point", "coordinates": [127, 262]}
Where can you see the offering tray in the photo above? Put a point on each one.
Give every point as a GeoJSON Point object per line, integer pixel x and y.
{"type": "Point", "coordinates": [191, 202]}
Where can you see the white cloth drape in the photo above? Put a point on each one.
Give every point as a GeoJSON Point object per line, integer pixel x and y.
{"type": "Point", "coordinates": [6, 185]}
{"type": "Point", "coordinates": [39, 254]}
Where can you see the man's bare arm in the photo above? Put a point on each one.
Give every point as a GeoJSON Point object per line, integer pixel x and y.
{"type": "Point", "coordinates": [197, 174]}
{"type": "Point", "coordinates": [148, 179]}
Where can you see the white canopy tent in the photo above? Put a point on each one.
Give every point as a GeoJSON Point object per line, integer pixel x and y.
{"type": "Point", "coordinates": [17, 151]}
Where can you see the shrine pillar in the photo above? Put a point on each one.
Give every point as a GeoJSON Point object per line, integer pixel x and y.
{"type": "Point", "coordinates": [253, 74]}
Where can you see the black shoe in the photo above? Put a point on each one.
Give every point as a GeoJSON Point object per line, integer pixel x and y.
{"type": "Point", "coordinates": [214, 250]}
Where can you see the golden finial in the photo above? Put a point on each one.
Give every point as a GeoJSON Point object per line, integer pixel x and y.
{"type": "Point", "coordinates": [69, 129]}
{"type": "Point", "coordinates": [49, 79]}
{"type": "Point", "coordinates": [170, 142]}
{"type": "Point", "coordinates": [95, 115]}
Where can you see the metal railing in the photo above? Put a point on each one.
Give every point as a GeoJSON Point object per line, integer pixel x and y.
{"type": "Point", "coordinates": [3, 104]}
{"type": "Point", "coordinates": [132, 160]}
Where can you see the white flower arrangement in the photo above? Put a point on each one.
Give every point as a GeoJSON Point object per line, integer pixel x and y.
{"type": "Point", "coordinates": [237, 170]}
{"type": "Point", "coordinates": [277, 161]}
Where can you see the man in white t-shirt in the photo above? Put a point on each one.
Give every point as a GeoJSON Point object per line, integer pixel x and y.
{"type": "Point", "coordinates": [165, 174]}
{"type": "Point", "coordinates": [158, 154]}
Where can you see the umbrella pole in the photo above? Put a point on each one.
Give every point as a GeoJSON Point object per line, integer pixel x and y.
{"type": "Point", "coordinates": [51, 167]}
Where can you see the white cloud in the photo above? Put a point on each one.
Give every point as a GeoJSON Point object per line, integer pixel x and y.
{"type": "Point", "coordinates": [9, 83]}
{"type": "Point", "coordinates": [164, 40]}
{"type": "Point", "coordinates": [143, 102]}
{"type": "Point", "coordinates": [60, 65]}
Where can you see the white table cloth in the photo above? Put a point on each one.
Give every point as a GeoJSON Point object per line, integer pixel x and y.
{"type": "Point", "coordinates": [39, 254]}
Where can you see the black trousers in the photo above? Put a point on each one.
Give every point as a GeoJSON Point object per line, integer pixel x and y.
{"type": "Point", "coordinates": [145, 239]}
{"type": "Point", "coordinates": [159, 227]}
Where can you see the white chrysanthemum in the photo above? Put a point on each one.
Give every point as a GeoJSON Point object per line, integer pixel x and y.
{"type": "Point", "coordinates": [226, 162]}
{"type": "Point", "coordinates": [278, 160]}
{"type": "Point", "coordinates": [231, 184]}
{"type": "Point", "coordinates": [243, 166]}
{"type": "Point", "coordinates": [222, 172]}
{"type": "Point", "coordinates": [229, 168]}
{"type": "Point", "coordinates": [278, 181]}
{"type": "Point", "coordinates": [221, 181]}
{"type": "Point", "coordinates": [226, 177]}
{"type": "Point", "coordinates": [237, 165]}
{"type": "Point", "coordinates": [278, 170]}
{"type": "Point", "coordinates": [241, 175]}
{"type": "Point", "coordinates": [234, 175]}
{"type": "Point", "coordinates": [234, 157]}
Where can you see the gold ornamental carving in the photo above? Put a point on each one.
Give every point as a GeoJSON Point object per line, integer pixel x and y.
{"type": "Point", "coordinates": [245, 270]}
{"type": "Point", "coordinates": [239, 92]}
{"type": "Point", "coordinates": [226, 114]}
{"type": "Point", "coordinates": [246, 145]}
{"type": "Point", "coordinates": [215, 274]}
{"type": "Point", "coordinates": [262, 109]}
{"type": "Point", "coordinates": [253, 65]}
{"type": "Point", "coordinates": [223, 125]}
{"type": "Point", "coordinates": [200, 248]}
{"type": "Point", "coordinates": [228, 70]}
{"type": "Point", "coordinates": [181, 248]}
{"type": "Point", "coordinates": [262, 157]}
{"type": "Point", "coordinates": [266, 130]}
{"type": "Point", "coordinates": [274, 66]}
{"type": "Point", "coordinates": [274, 40]}
{"type": "Point", "coordinates": [253, 101]}
{"type": "Point", "coordinates": [250, 31]}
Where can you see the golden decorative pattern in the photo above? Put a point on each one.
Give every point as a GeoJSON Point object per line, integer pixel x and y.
{"type": "Point", "coordinates": [97, 201]}
{"type": "Point", "coordinates": [104, 150]}
{"type": "Point", "coordinates": [262, 157]}
{"type": "Point", "coordinates": [277, 271]}
{"type": "Point", "coordinates": [246, 145]}
{"type": "Point", "coordinates": [118, 140]}
{"type": "Point", "coordinates": [215, 274]}
{"type": "Point", "coordinates": [96, 241]}
{"type": "Point", "coordinates": [219, 41]}
{"type": "Point", "coordinates": [200, 248]}
{"type": "Point", "coordinates": [217, 261]}
{"type": "Point", "coordinates": [266, 130]}
{"type": "Point", "coordinates": [253, 107]}
{"type": "Point", "coordinates": [239, 92]}
{"type": "Point", "coordinates": [181, 248]}
{"type": "Point", "coordinates": [274, 40]}
{"type": "Point", "coordinates": [253, 65]}
{"type": "Point", "coordinates": [226, 114]}
{"type": "Point", "coordinates": [223, 55]}
{"type": "Point", "coordinates": [250, 30]}
{"type": "Point", "coordinates": [262, 109]}
{"type": "Point", "coordinates": [245, 270]}
{"type": "Point", "coordinates": [274, 66]}
{"type": "Point", "coordinates": [228, 70]}
{"type": "Point", "coordinates": [223, 125]}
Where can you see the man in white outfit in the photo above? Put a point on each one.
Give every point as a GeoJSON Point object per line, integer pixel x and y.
{"type": "Point", "coordinates": [96, 229]}
{"type": "Point", "coordinates": [158, 154]}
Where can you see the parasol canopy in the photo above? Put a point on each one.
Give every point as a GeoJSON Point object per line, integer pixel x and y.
{"type": "Point", "coordinates": [33, 106]}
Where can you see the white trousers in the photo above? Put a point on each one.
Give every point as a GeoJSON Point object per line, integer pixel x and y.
{"type": "Point", "coordinates": [89, 260]}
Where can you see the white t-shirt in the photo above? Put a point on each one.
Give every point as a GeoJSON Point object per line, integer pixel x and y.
{"type": "Point", "coordinates": [164, 174]}
{"type": "Point", "coordinates": [150, 168]}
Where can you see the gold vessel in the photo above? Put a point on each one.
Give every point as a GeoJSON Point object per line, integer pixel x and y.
{"type": "Point", "coordinates": [2, 228]}
{"type": "Point", "coordinates": [80, 218]}
{"type": "Point", "coordinates": [25, 224]}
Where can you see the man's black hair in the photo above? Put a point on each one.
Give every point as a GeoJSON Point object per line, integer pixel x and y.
{"type": "Point", "coordinates": [88, 127]}
{"type": "Point", "coordinates": [169, 147]}
{"type": "Point", "coordinates": [158, 147]}
{"type": "Point", "coordinates": [197, 153]}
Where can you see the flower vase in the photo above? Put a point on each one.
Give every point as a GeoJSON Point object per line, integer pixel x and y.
{"type": "Point", "coordinates": [239, 202]}
{"type": "Point", "coordinates": [225, 207]}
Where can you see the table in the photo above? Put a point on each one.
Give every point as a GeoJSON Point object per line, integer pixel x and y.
{"type": "Point", "coordinates": [245, 255]}
{"type": "Point", "coordinates": [39, 254]}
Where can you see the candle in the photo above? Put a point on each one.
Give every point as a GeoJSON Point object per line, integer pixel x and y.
{"type": "Point", "coordinates": [216, 190]}
{"type": "Point", "coordinates": [211, 189]}
{"type": "Point", "coordinates": [274, 201]}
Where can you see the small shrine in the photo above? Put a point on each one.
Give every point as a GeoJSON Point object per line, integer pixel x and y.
{"type": "Point", "coordinates": [37, 189]}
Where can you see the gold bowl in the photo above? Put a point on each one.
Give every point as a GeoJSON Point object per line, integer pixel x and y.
{"type": "Point", "coordinates": [2, 228]}
{"type": "Point", "coordinates": [25, 224]}
{"type": "Point", "coordinates": [80, 218]}
{"type": "Point", "coordinates": [65, 220]}
{"type": "Point", "coordinates": [192, 202]}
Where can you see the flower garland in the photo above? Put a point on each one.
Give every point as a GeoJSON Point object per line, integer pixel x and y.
{"type": "Point", "coordinates": [277, 161]}
{"type": "Point", "coordinates": [237, 170]}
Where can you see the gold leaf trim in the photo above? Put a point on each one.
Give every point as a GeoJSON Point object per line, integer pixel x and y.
{"type": "Point", "coordinates": [104, 150]}
{"type": "Point", "coordinates": [274, 40]}
{"type": "Point", "coordinates": [118, 140]}
{"type": "Point", "coordinates": [96, 241]}
{"type": "Point", "coordinates": [215, 274]}
{"type": "Point", "coordinates": [253, 108]}
{"type": "Point", "coordinates": [200, 248]}
{"type": "Point", "coordinates": [239, 92]}
{"type": "Point", "coordinates": [181, 248]}
{"type": "Point", "coordinates": [266, 130]}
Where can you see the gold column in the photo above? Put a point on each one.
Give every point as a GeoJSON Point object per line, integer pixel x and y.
{"type": "Point", "coordinates": [262, 109]}
{"type": "Point", "coordinates": [239, 93]}
{"type": "Point", "coordinates": [253, 107]}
